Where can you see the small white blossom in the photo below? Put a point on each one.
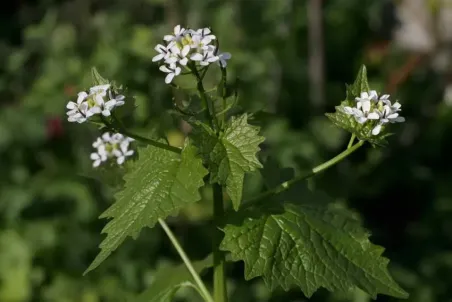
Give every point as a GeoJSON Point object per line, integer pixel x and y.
{"type": "Point", "coordinates": [164, 52]}
{"type": "Point", "coordinates": [370, 107]}
{"type": "Point", "coordinates": [223, 57]}
{"type": "Point", "coordinates": [172, 71]}
{"type": "Point", "coordinates": [362, 112]}
{"type": "Point", "coordinates": [92, 103]}
{"type": "Point", "coordinates": [178, 55]}
{"type": "Point", "coordinates": [388, 114]}
{"type": "Point", "coordinates": [178, 34]}
{"type": "Point", "coordinates": [114, 146]}
{"type": "Point", "coordinates": [185, 46]}
{"type": "Point", "coordinates": [202, 37]}
{"type": "Point", "coordinates": [206, 57]}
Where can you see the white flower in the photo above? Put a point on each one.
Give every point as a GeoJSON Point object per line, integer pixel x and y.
{"type": "Point", "coordinates": [111, 146]}
{"type": "Point", "coordinates": [164, 52]}
{"type": "Point", "coordinates": [100, 90]}
{"type": "Point", "coordinates": [172, 70]}
{"type": "Point", "coordinates": [98, 158]}
{"type": "Point", "coordinates": [178, 34]}
{"type": "Point", "coordinates": [179, 55]}
{"type": "Point", "coordinates": [188, 45]}
{"type": "Point", "coordinates": [202, 37]}
{"type": "Point", "coordinates": [206, 57]}
{"type": "Point", "coordinates": [89, 104]}
{"type": "Point", "coordinates": [388, 115]}
{"type": "Point", "coordinates": [222, 58]}
{"type": "Point", "coordinates": [366, 98]}
{"type": "Point", "coordinates": [77, 110]}
{"type": "Point", "coordinates": [362, 113]}
{"type": "Point", "coordinates": [123, 152]}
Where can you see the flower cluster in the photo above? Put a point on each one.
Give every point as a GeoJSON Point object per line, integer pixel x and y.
{"type": "Point", "coordinates": [111, 146]}
{"type": "Point", "coordinates": [93, 102]}
{"type": "Point", "coordinates": [188, 45]}
{"type": "Point", "coordinates": [371, 108]}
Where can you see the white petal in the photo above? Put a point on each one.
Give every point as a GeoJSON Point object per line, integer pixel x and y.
{"type": "Point", "coordinates": [117, 153]}
{"type": "Point", "coordinates": [392, 116]}
{"type": "Point", "coordinates": [71, 105]}
{"type": "Point", "coordinates": [361, 119]}
{"type": "Point", "coordinates": [129, 153]}
{"type": "Point", "coordinates": [376, 130]}
{"type": "Point", "coordinates": [168, 38]}
{"type": "Point", "coordinates": [177, 29]}
{"type": "Point", "coordinates": [385, 97]}
{"type": "Point", "coordinates": [121, 160]}
{"type": "Point", "coordinates": [399, 119]}
{"type": "Point", "coordinates": [177, 71]}
{"type": "Point", "coordinates": [397, 105]}
{"type": "Point", "coordinates": [106, 112]}
{"type": "Point", "coordinates": [373, 95]}
{"type": "Point", "coordinates": [364, 95]}
{"type": "Point", "coordinates": [110, 104]}
{"type": "Point", "coordinates": [72, 112]}
{"type": "Point", "coordinates": [225, 55]}
{"type": "Point", "coordinates": [164, 69]}
{"type": "Point", "coordinates": [185, 50]}
{"type": "Point", "coordinates": [158, 57]}
{"type": "Point", "coordinates": [94, 156]}
{"type": "Point", "coordinates": [81, 97]}
{"type": "Point", "coordinates": [183, 61]}
{"type": "Point", "coordinates": [96, 163]}
{"type": "Point", "coordinates": [373, 116]}
{"type": "Point", "coordinates": [169, 78]}
{"type": "Point", "coordinates": [366, 106]}
{"type": "Point", "coordinates": [99, 88]}
{"type": "Point", "coordinates": [197, 57]}
{"type": "Point", "coordinates": [106, 137]}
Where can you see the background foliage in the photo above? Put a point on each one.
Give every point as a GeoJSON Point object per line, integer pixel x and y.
{"type": "Point", "coordinates": [49, 207]}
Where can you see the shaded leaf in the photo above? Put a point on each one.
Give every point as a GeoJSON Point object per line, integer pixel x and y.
{"type": "Point", "coordinates": [168, 280]}
{"type": "Point", "coordinates": [157, 185]}
{"type": "Point", "coordinates": [97, 78]}
{"type": "Point", "coordinates": [231, 154]}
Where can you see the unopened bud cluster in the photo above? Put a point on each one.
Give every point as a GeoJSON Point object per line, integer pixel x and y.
{"type": "Point", "coordinates": [187, 45]}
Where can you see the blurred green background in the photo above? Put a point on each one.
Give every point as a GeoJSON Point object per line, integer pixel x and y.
{"type": "Point", "coordinates": [292, 58]}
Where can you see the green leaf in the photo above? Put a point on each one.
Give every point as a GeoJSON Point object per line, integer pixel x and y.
{"type": "Point", "coordinates": [348, 122]}
{"type": "Point", "coordinates": [308, 245]}
{"type": "Point", "coordinates": [361, 84]}
{"type": "Point", "coordinates": [168, 280]}
{"type": "Point", "coordinates": [157, 185]}
{"type": "Point", "coordinates": [231, 154]}
{"type": "Point", "coordinates": [97, 78]}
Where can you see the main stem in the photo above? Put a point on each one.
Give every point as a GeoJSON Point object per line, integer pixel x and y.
{"type": "Point", "coordinates": [219, 280]}
{"type": "Point", "coordinates": [202, 288]}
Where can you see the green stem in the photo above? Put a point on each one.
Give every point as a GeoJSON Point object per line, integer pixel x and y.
{"type": "Point", "coordinates": [287, 184]}
{"type": "Point", "coordinates": [202, 288]}
{"type": "Point", "coordinates": [219, 279]}
{"type": "Point", "coordinates": [224, 76]}
{"type": "Point", "coordinates": [352, 140]}
{"type": "Point", "coordinates": [202, 92]}
{"type": "Point", "coordinates": [119, 127]}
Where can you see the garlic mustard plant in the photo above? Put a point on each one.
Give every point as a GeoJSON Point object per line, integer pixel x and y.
{"type": "Point", "coordinates": [288, 234]}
